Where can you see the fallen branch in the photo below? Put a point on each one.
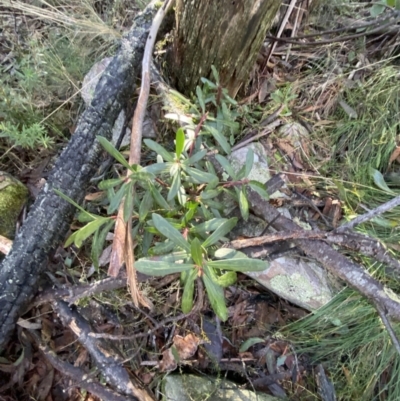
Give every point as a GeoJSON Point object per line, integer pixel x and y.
{"type": "Point", "coordinates": [77, 375]}
{"type": "Point", "coordinates": [333, 261]}
{"type": "Point", "coordinates": [73, 294]}
{"type": "Point", "coordinates": [353, 241]}
{"type": "Point", "coordinates": [370, 215]}
{"type": "Point", "coordinates": [107, 359]}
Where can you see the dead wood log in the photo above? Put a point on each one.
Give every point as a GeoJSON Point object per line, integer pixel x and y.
{"type": "Point", "coordinates": [49, 219]}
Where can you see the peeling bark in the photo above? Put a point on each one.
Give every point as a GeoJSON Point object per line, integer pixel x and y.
{"type": "Point", "coordinates": [49, 219]}
{"type": "Point", "coordinates": [224, 33]}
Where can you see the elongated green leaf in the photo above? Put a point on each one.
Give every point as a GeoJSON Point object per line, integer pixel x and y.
{"type": "Point", "coordinates": [159, 150]}
{"type": "Point", "coordinates": [210, 168]}
{"type": "Point", "coordinates": [110, 148]}
{"type": "Point", "coordinates": [162, 248]}
{"type": "Point", "coordinates": [207, 226]}
{"type": "Point", "coordinates": [227, 279]}
{"type": "Point", "coordinates": [213, 204]}
{"type": "Point", "coordinates": [128, 202]}
{"type": "Point", "coordinates": [188, 291]}
{"type": "Point", "coordinates": [243, 204]}
{"type": "Point", "coordinates": [170, 232]}
{"type": "Point", "coordinates": [196, 252]}
{"type": "Point", "coordinates": [241, 173]}
{"type": "Point", "coordinates": [199, 176]}
{"type": "Point", "coordinates": [216, 296]}
{"type": "Point", "coordinates": [220, 138]}
{"type": "Point", "coordinates": [196, 157]}
{"type": "Point", "coordinates": [215, 74]}
{"type": "Point", "coordinates": [240, 264]}
{"type": "Point", "coordinates": [182, 198]}
{"type": "Point", "coordinates": [115, 201]}
{"type": "Point", "coordinates": [110, 183]}
{"type": "Point", "coordinates": [89, 216]}
{"type": "Point", "coordinates": [175, 169]}
{"type": "Point", "coordinates": [223, 229]}
{"type": "Point", "coordinates": [86, 217]}
{"type": "Point", "coordinates": [188, 215]}
{"type": "Point", "coordinates": [179, 142]}
{"type": "Point", "coordinates": [212, 193]}
{"type": "Point", "coordinates": [259, 188]}
{"type": "Point", "coordinates": [223, 161]}
{"type": "Point", "coordinates": [157, 168]}
{"type": "Point", "coordinates": [142, 175]}
{"type": "Point", "coordinates": [228, 253]}
{"type": "Point", "coordinates": [86, 231]}
{"type": "Point", "coordinates": [145, 206]}
{"type": "Point", "coordinates": [249, 162]}
{"type": "Point", "coordinates": [200, 98]}
{"type": "Point", "coordinates": [147, 241]}
{"type": "Point", "coordinates": [159, 198]}
{"type": "Point", "coordinates": [380, 181]}
{"type": "Point", "coordinates": [209, 83]}
{"type": "Point", "coordinates": [250, 342]}
{"type": "Point", "coordinates": [99, 239]}
{"type": "Point", "coordinates": [176, 184]}
{"type": "Point", "coordinates": [160, 268]}
{"type": "Point", "coordinates": [233, 102]}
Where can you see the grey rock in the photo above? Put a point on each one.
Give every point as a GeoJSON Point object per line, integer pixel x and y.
{"type": "Point", "coordinates": [195, 388]}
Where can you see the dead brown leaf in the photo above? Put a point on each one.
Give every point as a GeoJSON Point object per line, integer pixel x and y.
{"type": "Point", "coordinates": [395, 154]}
{"type": "Point", "coordinates": [186, 346]}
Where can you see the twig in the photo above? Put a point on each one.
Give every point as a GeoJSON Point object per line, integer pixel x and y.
{"type": "Point", "coordinates": [279, 236]}
{"type": "Point", "coordinates": [73, 294]}
{"type": "Point", "coordinates": [160, 325]}
{"type": "Point", "coordinates": [343, 29]}
{"type": "Point", "coordinates": [268, 129]}
{"type": "Point", "coordinates": [196, 308]}
{"type": "Point", "coordinates": [336, 263]}
{"type": "Point", "coordinates": [281, 28]}
{"type": "Point", "coordinates": [122, 246]}
{"type": "Point", "coordinates": [333, 40]}
{"type": "Point", "coordinates": [388, 325]}
{"type": "Point", "coordinates": [354, 241]}
{"type": "Point", "coordinates": [108, 360]}
{"type": "Point", "coordinates": [271, 118]}
{"type": "Point", "coordinates": [80, 377]}
{"type": "Point", "coordinates": [370, 215]}
{"type": "Point", "coordinates": [197, 131]}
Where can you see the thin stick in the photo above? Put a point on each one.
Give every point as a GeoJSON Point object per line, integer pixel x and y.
{"type": "Point", "coordinates": [389, 328]}
{"type": "Point", "coordinates": [268, 129]}
{"type": "Point", "coordinates": [122, 246]}
{"type": "Point", "coordinates": [281, 28]}
{"type": "Point", "coordinates": [370, 215]}
{"type": "Point", "coordinates": [79, 376]}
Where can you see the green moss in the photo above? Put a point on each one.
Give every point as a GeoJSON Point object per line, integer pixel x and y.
{"type": "Point", "coordinates": [13, 196]}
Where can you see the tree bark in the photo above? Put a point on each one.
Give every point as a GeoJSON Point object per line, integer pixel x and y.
{"type": "Point", "coordinates": [225, 33]}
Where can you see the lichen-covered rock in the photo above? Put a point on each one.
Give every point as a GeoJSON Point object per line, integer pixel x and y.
{"type": "Point", "coordinates": [13, 196]}
{"type": "Point", "coordinates": [301, 282]}
{"type": "Point", "coordinates": [196, 388]}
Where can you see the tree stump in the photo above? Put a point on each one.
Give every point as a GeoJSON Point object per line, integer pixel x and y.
{"type": "Point", "coordinates": [225, 33]}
